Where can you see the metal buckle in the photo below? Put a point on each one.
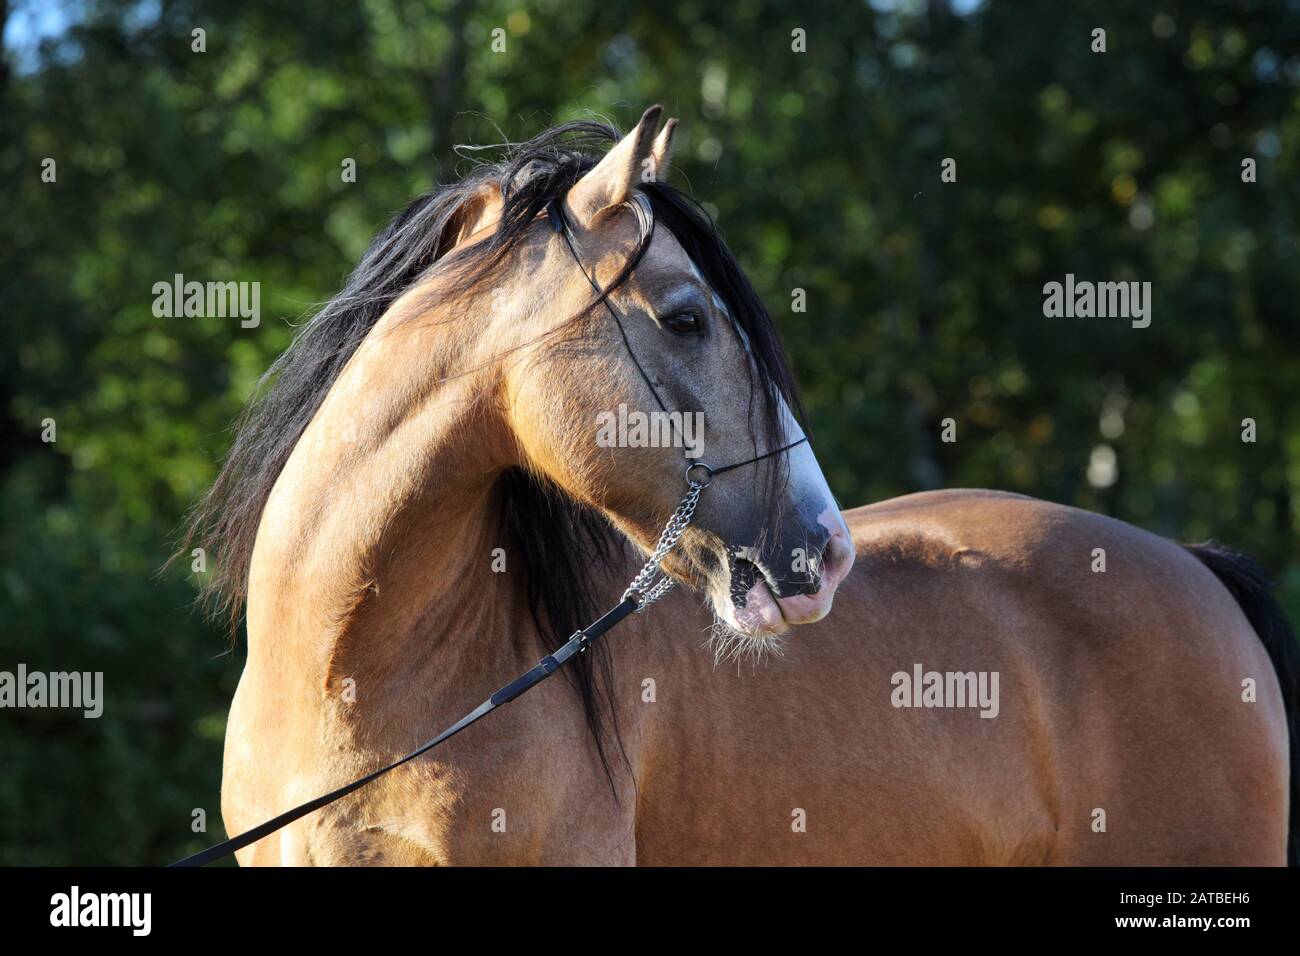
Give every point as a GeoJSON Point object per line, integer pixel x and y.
{"type": "Point", "coordinates": [708, 478]}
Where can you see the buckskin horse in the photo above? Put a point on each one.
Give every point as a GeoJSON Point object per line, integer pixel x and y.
{"type": "Point", "coordinates": [415, 507]}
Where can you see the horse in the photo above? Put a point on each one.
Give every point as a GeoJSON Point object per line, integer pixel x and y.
{"type": "Point", "coordinates": [418, 502]}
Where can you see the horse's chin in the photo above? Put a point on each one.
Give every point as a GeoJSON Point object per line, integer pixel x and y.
{"type": "Point", "coordinates": [756, 616]}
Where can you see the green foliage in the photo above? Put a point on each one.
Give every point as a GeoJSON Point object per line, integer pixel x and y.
{"type": "Point", "coordinates": [924, 298]}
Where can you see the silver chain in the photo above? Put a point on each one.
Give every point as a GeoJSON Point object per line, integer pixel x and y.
{"type": "Point", "coordinates": [644, 589]}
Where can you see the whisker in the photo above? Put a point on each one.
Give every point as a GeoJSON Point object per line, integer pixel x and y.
{"type": "Point", "coordinates": [730, 645]}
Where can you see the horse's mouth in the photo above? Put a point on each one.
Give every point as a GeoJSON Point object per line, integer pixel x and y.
{"type": "Point", "coordinates": [745, 573]}
{"type": "Point", "coordinates": [756, 604]}
{"type": "Point", "coordinates": [755, 609]}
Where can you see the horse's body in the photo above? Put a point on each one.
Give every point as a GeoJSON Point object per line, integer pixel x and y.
{"type": "Point", "coordinates": [387, 595]}
{"type": "Point", "coordinates": [1119, 690]}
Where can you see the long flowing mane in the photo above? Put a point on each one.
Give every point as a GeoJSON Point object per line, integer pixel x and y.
{"type": "Point", "coordinates": [556, 537]}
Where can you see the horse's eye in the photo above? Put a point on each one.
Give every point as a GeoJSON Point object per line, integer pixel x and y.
{"type": "Point", "coordinates": [685, 323]}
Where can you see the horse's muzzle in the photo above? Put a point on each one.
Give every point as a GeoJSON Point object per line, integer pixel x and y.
{"type": "Point", "coordinates": [765, 603]}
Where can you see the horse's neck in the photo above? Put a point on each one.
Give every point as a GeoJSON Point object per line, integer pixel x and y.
{"type": "Point", "coordinates": [379, 534]}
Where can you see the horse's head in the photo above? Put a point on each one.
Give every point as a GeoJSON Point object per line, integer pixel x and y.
{"type": "Point", "coordinates": [683, 366]}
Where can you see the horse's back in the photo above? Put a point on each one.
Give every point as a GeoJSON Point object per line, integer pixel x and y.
{"type": "Point", "coordinates": [1140, 709]}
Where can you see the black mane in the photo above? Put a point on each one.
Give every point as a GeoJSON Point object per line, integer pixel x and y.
{"type": "Point", "coordinates": [556, 538]}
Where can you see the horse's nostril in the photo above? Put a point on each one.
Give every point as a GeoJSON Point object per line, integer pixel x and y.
{"type": "Point", "coordinates": [837, 558]}
{"type": "Point", "coordinates": [832, 560]}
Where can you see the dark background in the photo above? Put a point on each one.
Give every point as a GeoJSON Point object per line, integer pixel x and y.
{"type": "Point", "coordinates": [924, 299]}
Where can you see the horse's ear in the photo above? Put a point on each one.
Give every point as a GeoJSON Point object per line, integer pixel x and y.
{"type": "Point", "coordinates": [662, 153]}
{"type": "Point", "coordinates": [475, 214]}
{"type": "Point", "coordinates": [612, 180]}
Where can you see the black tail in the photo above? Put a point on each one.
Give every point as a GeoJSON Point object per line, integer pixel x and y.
{"type": "Point", "coordinates": [1253, 589]}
